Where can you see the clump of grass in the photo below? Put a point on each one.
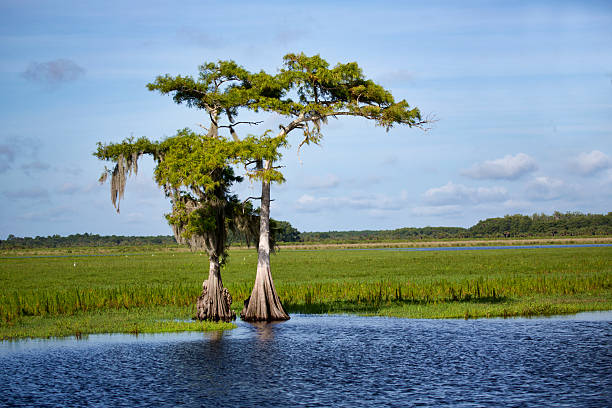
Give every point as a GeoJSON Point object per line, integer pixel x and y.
{"type": "Point", "coordinates": [71, 301]}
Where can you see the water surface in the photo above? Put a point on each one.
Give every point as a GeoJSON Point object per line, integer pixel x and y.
{"type": "Point", "coordinates": [344, 361]}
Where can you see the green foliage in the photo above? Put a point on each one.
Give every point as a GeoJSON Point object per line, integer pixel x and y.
{"type": "Point", "coordinates": [194, 169]}
{"type": "Point", "coordinates": [408, 234]}
{"type": "Point", "coordinates": [81, 240]}
{"type": "Point", "coordinates": [571, 223]}
{"type": "Point", "coordinates": [510, 226]}
{"type": "Point", "coordinates": [343, 90]}
{"type": "Point", "coordinates": [283, 231]}
{"type": "Point", "coordinates": [568, 224]}
{"type": "Point", "coordinates": [127, 148]}
{"type": "Point", "coordinates": [224, 88]}
{"type": "Point", "coordinates": [221, 88]}
{"type": "Point", "coordinates": [258, 149]}
{"type": "Point", "coordinates": [193, 161]}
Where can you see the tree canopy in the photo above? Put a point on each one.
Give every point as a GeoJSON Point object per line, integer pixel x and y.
{"type": "Point", "coordinates": [195, 171]}
{"type": "Point", "coordinates": [305, 89]}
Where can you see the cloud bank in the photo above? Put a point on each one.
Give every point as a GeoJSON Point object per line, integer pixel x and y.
{"type": "Point", "coordinates": [328, 181]}
{"type": "Point", "coordinates": [508, 168]}
{"type": "Point", "coordinates": [587, 164]}
{"type": "Point", "coordinates": [452, 193]}
{"type": "Point", "coordinates": [546, 188]}
{"type": "Point", "coordinates": [312, 204]}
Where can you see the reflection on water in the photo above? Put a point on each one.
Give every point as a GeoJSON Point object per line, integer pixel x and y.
{"type": "Point", "coordinates": [323, 361]}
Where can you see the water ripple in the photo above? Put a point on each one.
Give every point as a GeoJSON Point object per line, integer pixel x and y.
{"type": "Point", "coordinates": [322, 361]}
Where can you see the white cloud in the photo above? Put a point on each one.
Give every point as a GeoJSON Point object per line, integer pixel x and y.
{"type": "Point", "coordinates": [508, 168]}
{"type": "Point", "coordinates": [329, 181]}
{"type": "Point", "coordinates": [310, 203]}
{"type": "Point", "coordinates": [377, 202]}
{"type": "Point", "coordinates": [435, 210]}
{"type": "Point", "coordinates": [589, 163]}
{"type": "Point", "coordinates": [607, 179]}
{"type": "Point", "coordinates": [307, 202]}
{"type": "Point", "coordinates": [452, 193]}
{"type": "Point", "coordinates": [546, 188]}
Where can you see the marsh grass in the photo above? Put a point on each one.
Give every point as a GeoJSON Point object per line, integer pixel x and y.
{"type": "Point", "coordinates": [133, 321]}
{"type": "Point", "coordinates": [510, 282]}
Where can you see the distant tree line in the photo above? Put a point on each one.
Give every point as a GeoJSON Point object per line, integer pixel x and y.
{"type": "Point", "coordinates": [557, 224]}
{"type": "Point", "coordinates": [386, 235]}
{"type": "Point", "coordinates": [282, 231]}
{"type": "Point", "coordinates": [510, 226]}
{"type": "Point", "coordinates": [79, 240]}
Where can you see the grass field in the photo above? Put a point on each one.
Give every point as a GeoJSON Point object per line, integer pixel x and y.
{"type": "Point", "coordinates": [72, 295]}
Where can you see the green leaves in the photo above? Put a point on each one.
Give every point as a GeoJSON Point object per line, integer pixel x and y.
{"type": "Point", "coordinates": [195, 170]}
{"type": "Point", "coordinates": [127, 148]}
{"type": "Point", "coordinates": [193, 161]}
{"type": "Point", "coordinates": [225, 88]}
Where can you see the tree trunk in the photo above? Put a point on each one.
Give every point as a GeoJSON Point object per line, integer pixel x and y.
{"type": "Point", "coordinates": [264, 304]}
{"type": "Point", "coordinates": [215, 300]}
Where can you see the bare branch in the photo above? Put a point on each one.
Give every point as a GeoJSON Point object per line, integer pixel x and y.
{"type": "Point", "coordinates": [429, 120]}
{"type": "Point", "coordinates": [241, 123]}
{"type": "Point", "coordinates": [251, 198]}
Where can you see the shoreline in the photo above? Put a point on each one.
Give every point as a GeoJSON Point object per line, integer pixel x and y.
{"type": "Point", "coordinates": [593, 315]}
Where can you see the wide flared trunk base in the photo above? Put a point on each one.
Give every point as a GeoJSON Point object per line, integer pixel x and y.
{"type": "Point", "coordinates": [215, 301]}
{"type": "Point", "coordinates": [264, 304]}
{"type": "Point", "coordinates": [209, 309]}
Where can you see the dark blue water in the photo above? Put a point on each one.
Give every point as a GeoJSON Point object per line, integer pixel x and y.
{"type": "Point", "coordinates": [324, 361]}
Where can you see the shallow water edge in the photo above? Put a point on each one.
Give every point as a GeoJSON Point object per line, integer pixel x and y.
{"type": "Point", "coordinates": [110, 338]}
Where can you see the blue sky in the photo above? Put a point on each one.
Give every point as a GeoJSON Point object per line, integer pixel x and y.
{"type": "Point", "coordinates": [522, 92]}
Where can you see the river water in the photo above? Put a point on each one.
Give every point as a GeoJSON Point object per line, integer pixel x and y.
{"type": "Point", "coordinates": [324, 361]}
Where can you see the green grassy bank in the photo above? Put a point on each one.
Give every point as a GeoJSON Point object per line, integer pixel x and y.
{"type": "Point", "coordinates": [56, 296]}
{"type": "Point", "coordinates": [133, 321]}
